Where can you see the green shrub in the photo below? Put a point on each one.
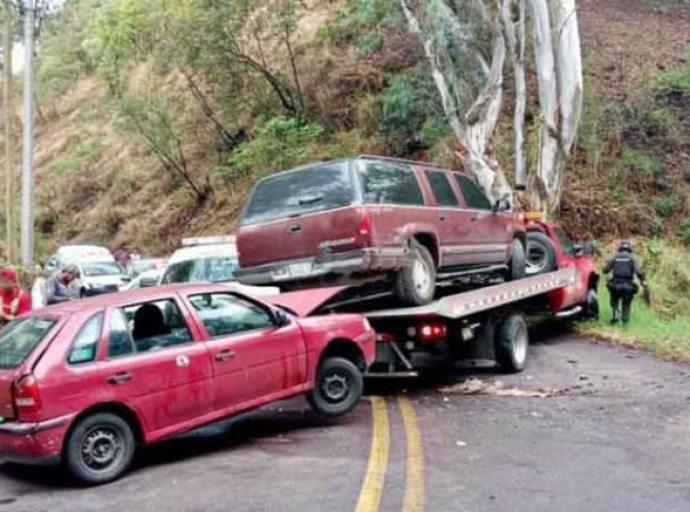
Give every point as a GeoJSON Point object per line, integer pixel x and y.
{"type": "Point", "coordinates": [644, 165]}
{"type": "Point", "coordinates": [685, 231]}
{"type": "Point", "coordinates": [665, 206]}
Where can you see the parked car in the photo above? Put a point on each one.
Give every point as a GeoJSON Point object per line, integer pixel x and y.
{"type": "Point", "coordinates": [69, 253]}
{"type": "Point", "coordinates": [209, 260]}
{"type": "Point", "coordinates": [86, 382]}
{"type": "Point", "coordinates": [353, 219]}
{"type": "Point", "coordinates": [99, 275]}
{"type": "Point", "coordinates": [144, 280]}
{"type": "Point", "coordinates": [136, 267]}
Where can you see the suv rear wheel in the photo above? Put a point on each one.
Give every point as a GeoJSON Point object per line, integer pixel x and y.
{"type": "Point", "coordinates": [415, 283]}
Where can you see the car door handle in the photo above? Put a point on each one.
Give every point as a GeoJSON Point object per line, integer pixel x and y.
{"type": "Point", "coordinates": [441, 216]}
{"type": "Point", "coordinates": [224, 356]}
{"type": "Point", "coordinates": [120, 378]}
{"type": "Point", "coordinates": [474, 219]}
{"type": "Point", "coordinates": [295, 228]}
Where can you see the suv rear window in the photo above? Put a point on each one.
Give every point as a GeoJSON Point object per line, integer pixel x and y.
{"type": "Point", "coordinates": [440, 186]}
{"type": "Point", "coordinates": [202, 270]}
{"type": "Point", "coordinates": [386, 183]}
{"type": "Point", "coordinates": [20, 337]}
{"type": "Point", "coordinates": [294, 193]}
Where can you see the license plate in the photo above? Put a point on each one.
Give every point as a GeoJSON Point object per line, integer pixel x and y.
{"type": "Point", "coordinates": [299, 269]}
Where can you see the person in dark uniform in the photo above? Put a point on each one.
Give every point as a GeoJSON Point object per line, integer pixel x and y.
{"type": "Point", "coordinates": [622, 286]}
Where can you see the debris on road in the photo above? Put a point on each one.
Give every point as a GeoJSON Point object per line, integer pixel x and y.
{"type": "Point", "coordinates": [476, 386]}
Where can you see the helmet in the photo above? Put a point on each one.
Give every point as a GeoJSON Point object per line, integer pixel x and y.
{"type": "Point", "coordinates": [625, 247]}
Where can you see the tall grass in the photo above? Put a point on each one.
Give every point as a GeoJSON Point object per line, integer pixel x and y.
{"type": "Point", "coordinates": [663, 327]}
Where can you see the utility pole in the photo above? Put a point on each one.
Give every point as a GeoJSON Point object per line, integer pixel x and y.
{"type": "Point", "coordinates": [8, 100]}
{"type": "Point", "coordinates": [27, 207]}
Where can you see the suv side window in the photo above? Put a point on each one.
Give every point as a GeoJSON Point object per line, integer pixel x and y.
{"type": "Point", "coordinates": [440, 186]}
{"type": "Point", "coordinates": [474, 197]}
{"type": "Point", "coordinates": [85, 344]}
{"type": "Point", "coordinates": [224, 314]}
{"type": "Point", "coordinates": [383, 182]}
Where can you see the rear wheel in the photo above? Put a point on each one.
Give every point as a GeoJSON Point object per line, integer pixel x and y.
{"type": "Point", "coordinates": [415, 283]}
{"type": "Point", "coordinates": [541, 254]}
{"type": "Point", "coordinates": [511, 343]}
{"type": "Point", "coordinates": [339, 386]}
{"type": "Point", "coordinates": [99, 448]}
{"type": "Point", "coordinates": [517, 266]}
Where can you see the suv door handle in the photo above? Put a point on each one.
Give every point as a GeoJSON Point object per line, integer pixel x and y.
{"type": "Point", "coordinates": [474, 219]}
{"type": "Point", "coordinates": [442, 216]}
{"type": "Point", "coordinates": [120, 378]}
{"type": "Point", "coordinates": [224, 356]}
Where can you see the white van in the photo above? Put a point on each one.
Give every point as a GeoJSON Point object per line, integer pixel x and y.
{"type": "Point", "coordinates": [210, 260]}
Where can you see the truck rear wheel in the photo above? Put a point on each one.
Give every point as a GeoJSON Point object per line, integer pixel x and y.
{"type": "Point", "coordinates": [339, 386]}
{"type": "Point", "coordinates": [415, 283]}
{"type": "Point", "coordinates": [511, 343]}
{"type": "Point", "coordinates": [541, 254]}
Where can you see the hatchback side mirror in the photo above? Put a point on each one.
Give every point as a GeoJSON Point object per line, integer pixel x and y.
{"type": "Point", "coordinates": [280, 318]}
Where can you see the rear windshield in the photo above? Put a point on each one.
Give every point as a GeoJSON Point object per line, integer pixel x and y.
{"type": "Point", "coordinates": [291, 194]}
{"type": "Point", "coordinates": [19, 337]}
{"type": "Point", "coordinates": [101, 268]}
{"type": "Point", "coordinates": [202, 270]}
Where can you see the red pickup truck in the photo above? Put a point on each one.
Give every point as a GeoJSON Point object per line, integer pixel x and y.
{"type": "Point", "coordinates": [86, 382]}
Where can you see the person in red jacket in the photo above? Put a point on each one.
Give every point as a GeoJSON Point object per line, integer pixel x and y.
{"type": "Point", "coordinates": [13, 300]}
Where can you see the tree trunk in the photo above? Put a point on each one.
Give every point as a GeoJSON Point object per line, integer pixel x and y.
{"type": "Point", "coordinates": [8, 97]}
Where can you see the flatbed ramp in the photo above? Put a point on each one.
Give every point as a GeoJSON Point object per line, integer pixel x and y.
{"type": "Point", "coordinates": [469, 303]}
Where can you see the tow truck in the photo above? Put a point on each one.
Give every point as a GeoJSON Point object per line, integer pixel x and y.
{"type": "Point", "coordinates": [476, 319]}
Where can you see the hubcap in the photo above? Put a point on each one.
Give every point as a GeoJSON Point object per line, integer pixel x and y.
{"type": "Point", "coordinates": [101, 448]}
{"type": "Point", "coordinates": [421, 276]}
{"type": "Point", "coordinates": [520, 342]}
{"type": "Point", "coordinates": [536, 259]}
{"type": "Point", "coordinates": [335, 387]}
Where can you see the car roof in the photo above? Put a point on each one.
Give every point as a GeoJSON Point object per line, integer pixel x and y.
{"type": "Point", "coordinates": [131, 296]}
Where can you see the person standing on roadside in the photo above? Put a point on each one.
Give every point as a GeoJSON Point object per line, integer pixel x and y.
{"type": "Point", "coordinates": [13, 300]}
{"type": "Point", "coordinates": [622, 286]}
{"type": "Point", "coordinates": [57, 286]}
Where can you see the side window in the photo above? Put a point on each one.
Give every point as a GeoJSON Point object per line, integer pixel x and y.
{"type": "Point", "coordinates": [119, 338]}
{"type": "Point", "coordinates": [474, 197]}
{"type": "Point", "coordinates": [86, 343]}
{"type": "Point", "coordinates": [147, 327]}
{"type": "Point", "coordinates": [443, 191]}
{"type": "Point", "coordinates": [224, 314]}
{"type": "Point", "coordinates": [383, 182]}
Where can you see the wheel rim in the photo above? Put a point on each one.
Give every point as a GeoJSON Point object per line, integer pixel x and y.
{"type": "Point", "coordinates": [421, 276]}
{"type": "Point", "coordinates": [537, 259]}
{"type": "Point", "coordinates": [335, 387]}
{"type": "Point", "coordinates": [102, 448]}
{"type": "Point", "coordinates": [520, 342]}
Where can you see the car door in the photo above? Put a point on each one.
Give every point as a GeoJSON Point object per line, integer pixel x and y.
{"type": "Point", "coordinates": [254, 358]}
{"type": "Point", "coordinates": [164, 373]}
{"type": "Point", "coordinates": [487, 240]}
{"type": "Point", "coordinates": [452, 220]}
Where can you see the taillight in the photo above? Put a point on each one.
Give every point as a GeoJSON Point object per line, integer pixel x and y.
{"type": "Point", "coordinates": [431, 332]}
{"type": "Point", "coordinates": [364, 228]}
{"type": "Point", "coordinates": [27, 398]}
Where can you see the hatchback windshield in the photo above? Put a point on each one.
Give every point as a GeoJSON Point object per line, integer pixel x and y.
{"type": "Point", "coordinates": [100, 268]}
{"type": "Point", "coordinates": [211, 270]}
{"type": "Point", "coordinates": [294, 193]}
{"type": "Point", "coordinates": [20, 337]}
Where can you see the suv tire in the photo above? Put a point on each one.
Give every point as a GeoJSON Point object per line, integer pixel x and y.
{"type": "Point", "coordinates": [99, 449]}
{"type": "Point", "coordinates": [518, 265]}
{"type": "Point", "coordinates": [541, 254]}
{"type": "Point", "coordinates": [415, 283]}
{"type": "Point", "coordinates": [338, 388]}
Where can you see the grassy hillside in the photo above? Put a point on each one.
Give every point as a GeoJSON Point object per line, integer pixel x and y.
{"type": "Point", "coordinates": [153, 126]}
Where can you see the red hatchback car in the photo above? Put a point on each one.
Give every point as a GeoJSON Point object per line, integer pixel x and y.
{"type": "Point", "coordinates": [365, 218]}
{"type": "Point", "coordinates": [86, 382]}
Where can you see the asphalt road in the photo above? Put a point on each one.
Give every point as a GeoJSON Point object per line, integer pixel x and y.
{"type": "Point", "coordinates": [613, 433]}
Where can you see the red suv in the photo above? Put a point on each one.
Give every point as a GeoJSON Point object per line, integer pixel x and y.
{"type": "Point", "coordinates": [371, 217]}
{"type": "Point", "coordinates": [87, 381]}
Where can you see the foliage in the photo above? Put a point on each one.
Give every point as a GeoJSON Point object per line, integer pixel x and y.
{"type": "Point", "coordinates": [278, 144]}
{"type": "Point", "coordinates": [677, 79]}
{"type": "Point", "coordinates": [665, 207]}
{"type": "Point", "coordinates": [412, 112]}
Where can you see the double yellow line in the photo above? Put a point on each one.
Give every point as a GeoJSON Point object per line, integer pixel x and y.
{"type": "Point", "coordinates": [372, 488]}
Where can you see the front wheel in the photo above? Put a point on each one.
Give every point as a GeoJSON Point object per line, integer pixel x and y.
{"type": "Point", "coordinates": [591, 305]}
{"type": "Point", "coordinates": [339, 386]}
{"type": "Point", "coordinates": [99, 449]}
